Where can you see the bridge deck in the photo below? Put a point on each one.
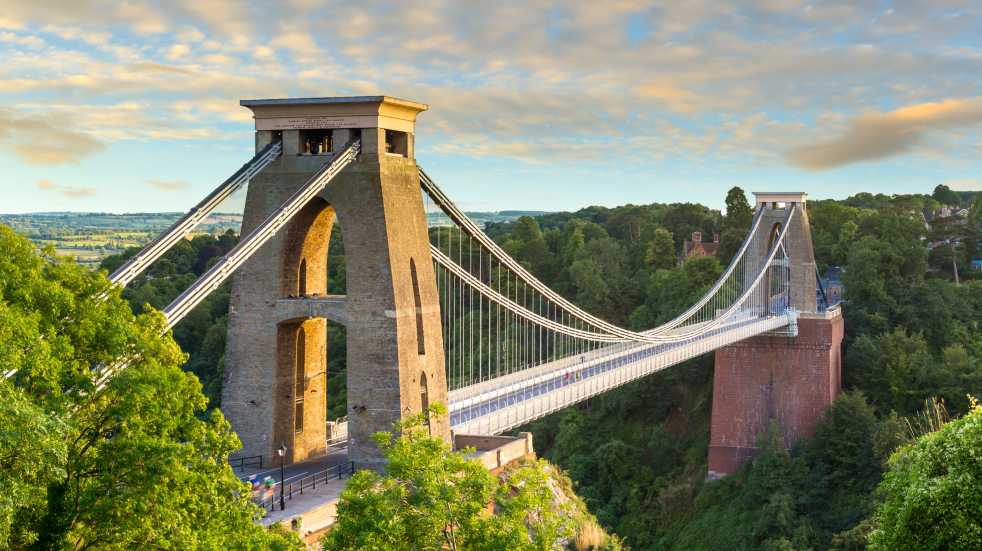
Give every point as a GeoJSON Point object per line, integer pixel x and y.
{"type": "Point", "coordinates": [501, 404]}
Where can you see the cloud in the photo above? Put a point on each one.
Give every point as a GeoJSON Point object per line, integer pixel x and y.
{"type": "Point", "coordinates": [29, 41]}
{"type": "Point", "coordinates": [965, 185]}
{"type": "Point", "coordinates": [44, 140]}
{"type": "Point", "coordinates": [124, 121]}
{"type": "Point", "coordinates": [72, 192]}
{"type": "Point", "coordinates": [169, 185]}
{"type": "Point", "coordinates": [178, 51]}
{"type": "Point", "coordinates": [677, 99]}
{"type": "Point", "coordinates": [527, 80]}
{"type": "Point", "coordinates": [881, 135]}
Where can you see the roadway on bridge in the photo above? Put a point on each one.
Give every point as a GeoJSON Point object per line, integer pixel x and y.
{"type": "Point", "coordinates": [590, 368]}
{"type": "Point", "coordinates": [336, 455]}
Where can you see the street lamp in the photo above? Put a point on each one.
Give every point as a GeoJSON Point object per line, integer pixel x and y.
{"type": "Point", "coordinates": [281, 451]}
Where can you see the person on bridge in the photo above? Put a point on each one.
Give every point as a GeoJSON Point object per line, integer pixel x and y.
{"type": "Point", "coordinates": [269, 483]}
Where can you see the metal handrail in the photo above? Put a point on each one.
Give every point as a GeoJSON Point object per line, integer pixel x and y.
{"type": "Point", "coordinates": [309, 482]}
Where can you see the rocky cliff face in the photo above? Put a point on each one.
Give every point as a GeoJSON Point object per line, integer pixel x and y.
{"type": "Point", "coordinates": [588, 534]}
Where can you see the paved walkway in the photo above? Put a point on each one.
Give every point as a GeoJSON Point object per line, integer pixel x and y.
{"type": "Point", "coordinates": [316, 507]}
{"type": "Point", "coordinates": [334, 456]}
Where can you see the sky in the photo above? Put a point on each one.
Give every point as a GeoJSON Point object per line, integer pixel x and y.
{"type": "Point", "coordinates": [115, 106]}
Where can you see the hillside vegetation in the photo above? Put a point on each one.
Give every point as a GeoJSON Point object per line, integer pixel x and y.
{"type": "Point", "coordinates": [136, 464]}
{"type": "Point", "coordinates": [637, 455]}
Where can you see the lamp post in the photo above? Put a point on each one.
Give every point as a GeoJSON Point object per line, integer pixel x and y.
{"type": "Point", "coordinates": [281, 451]}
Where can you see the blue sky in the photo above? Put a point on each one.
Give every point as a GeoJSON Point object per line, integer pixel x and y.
{"type": "Point", "coordinates": [128, 107]}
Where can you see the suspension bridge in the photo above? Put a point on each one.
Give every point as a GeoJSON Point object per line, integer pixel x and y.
{"type": "Point", "coordinates": [444, 314]}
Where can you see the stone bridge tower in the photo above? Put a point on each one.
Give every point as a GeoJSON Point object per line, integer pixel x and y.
{"type": "Point", "coordinates": [786, 378]}
{"type": "Point", "coordinates": [276, 355]}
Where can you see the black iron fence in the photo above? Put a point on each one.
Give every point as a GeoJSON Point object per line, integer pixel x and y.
{"type": "Point", "coordinates": [268, 496]}
{"type": "Point", "coordinates": [242, 463]}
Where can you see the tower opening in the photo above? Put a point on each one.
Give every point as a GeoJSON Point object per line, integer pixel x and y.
{"type": "Point", "coordinates": [424, 401]}
{"type": "Point", "coordinates": [316, 142]}
{"type": "Point", "coordinates": [396, 143]}
{"type": "Point", "coordinates": [302, 278]}
{"type": "Point", "coordinates": [417, 303]}
{"type": "Point", "coordinates": [300, 380]}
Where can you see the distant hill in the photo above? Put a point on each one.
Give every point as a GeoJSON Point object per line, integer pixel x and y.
{"type": "Point", "coordinates": [482, 218]}
{"type": "Point", "coordinates": [91, 236]}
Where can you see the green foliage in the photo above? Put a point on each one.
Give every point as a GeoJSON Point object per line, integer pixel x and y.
{"type": "Point", "coordinates": [137, 464]}
{"type": "Point", "coordinates": [661, 251]}
{"type": "Point", "coordinates": [26, 435]}
{"type": "Point", "coordinates": [933, 491]}
{"type": "Point", "coordinates": [804, 499]}
{"type": "Point", "coordinates": [944, 195]}
{"type": "Point", "coordinates": [821, 495]}
{"type": "Point", "coordinates": [433, 498]}
{"type": "Point", "coordinates": [91, 236]}
{"type": "Point", "coordinates": [736, 224]}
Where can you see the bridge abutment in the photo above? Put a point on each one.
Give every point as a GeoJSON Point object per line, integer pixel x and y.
{"type": "Point", "coordinates": [774, 378]}
{"type": "Point", "coordinates": [789, 381]}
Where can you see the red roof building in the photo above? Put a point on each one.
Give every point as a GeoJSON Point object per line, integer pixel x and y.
{"type": "Point", "coordinates": [696, 246]}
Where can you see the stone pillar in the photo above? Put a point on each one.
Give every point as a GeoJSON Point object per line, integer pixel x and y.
{"type": "Point", "coordinates": [776, 378]}
{"type": "Point", "coordinates": [379, 205]}
{"type": "Point", "coordinates": [798, 243]}
{"type": "Point", "coordinates": [395, 341]}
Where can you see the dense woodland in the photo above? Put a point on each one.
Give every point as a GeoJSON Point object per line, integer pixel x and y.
{"type": "Point", "coordinates": [138, 462]}
{"type": "Point", "coordinates": [912, 334]}
{"type": "Point", "coordinates": [638, 454]}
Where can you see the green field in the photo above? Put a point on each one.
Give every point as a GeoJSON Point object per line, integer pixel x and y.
{"type": "Point", "coordinates": [88, 237]}
{"type": "Point", "coordinates": [91, 236]}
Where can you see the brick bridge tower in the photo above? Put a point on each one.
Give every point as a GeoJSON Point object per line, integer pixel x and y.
{"type": "Point", "coordinates": [789, 380]}
{"type": "Point", "coordinates": [275, 377]}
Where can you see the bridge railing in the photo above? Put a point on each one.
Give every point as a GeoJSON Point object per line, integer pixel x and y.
{"type": "Point", "coordinates": [337, 431]}
{"type": "Point", "coordinates": [268, 497]}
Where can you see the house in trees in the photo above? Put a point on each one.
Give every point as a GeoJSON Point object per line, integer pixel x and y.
{"type": "Point", "coordinates": [697, 247]}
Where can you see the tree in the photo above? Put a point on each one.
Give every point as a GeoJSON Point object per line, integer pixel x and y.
{"type": "Point", "coordinates": [530, 247]}
{"type": "Point", "coordinates": [684, 218]}
{"type": "Point", "coordinates": [136, 464]}
{"type": "Point", "coordinates": [670, 292]}
{"type": "Point", "coordinates": [894, 369]}
{"type": "Point", "coordinates": [661, 251]}
{"type": "Point", "coordinates": [433, 498]}
{"type": "Point", "coordinates": [933, 491]}
{"type": "Point", "coordinates": [736, 224]}
{"type": "Point", "coordinates": [944, 195]}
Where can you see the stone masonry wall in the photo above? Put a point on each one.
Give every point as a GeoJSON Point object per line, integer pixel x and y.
{"type": "Point", "coordinates": [788, 380]}
{"type": "Point", "coordinates": [377, 200]}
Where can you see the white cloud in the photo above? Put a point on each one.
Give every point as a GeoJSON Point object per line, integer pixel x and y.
{"type": "Point", "coordinates": [968, 184]}
{"type": "Point", "coordinates": [169, 185]}
{"type": "Point", "coordinates": [523, 79]}
{"type": "Point", "coordinates": [178, 52]}
{"type": "Point", "coordinates": [41, 139]}
{"type": "Point", "coordinates": [876, 136]}
{"type": "Point", "coordinates": [72, 192]}
{"type": "Point", "coordinates": [26, 40]}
